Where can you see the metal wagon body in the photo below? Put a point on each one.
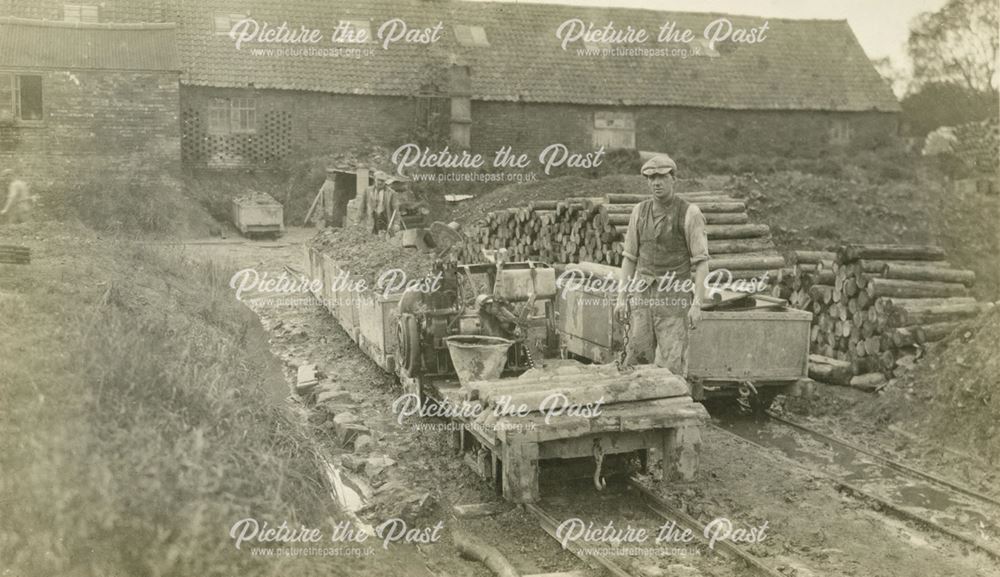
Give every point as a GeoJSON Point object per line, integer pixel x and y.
{"type": "Point", "coordinates": [762, 348]}
{"type": "Point", "coordinates": [258, 216]}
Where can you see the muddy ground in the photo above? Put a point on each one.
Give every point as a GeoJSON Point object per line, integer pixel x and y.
{"type": "Point", "coordinates": [410, 470]}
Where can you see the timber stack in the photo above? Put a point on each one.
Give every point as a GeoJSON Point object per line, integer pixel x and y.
{"type": "Point", "coordinates": [874, 304]}
{"type": "Point", "coordinates": [593, 229]}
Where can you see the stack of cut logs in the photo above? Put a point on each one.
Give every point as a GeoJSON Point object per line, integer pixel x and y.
{"type": "Point", "coordinates": [593, 229]}
{"type": "Point", "coordinates": [873, 304]}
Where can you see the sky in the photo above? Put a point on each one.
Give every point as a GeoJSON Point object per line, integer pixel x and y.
{"type": "Point", "coordinates": [882, 26]}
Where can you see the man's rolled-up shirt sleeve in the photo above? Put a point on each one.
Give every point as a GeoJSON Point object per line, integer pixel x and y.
{"type": "Point", "coordinates": [697, 235]}
{"type": "Point", "coordinates": [631, 250]}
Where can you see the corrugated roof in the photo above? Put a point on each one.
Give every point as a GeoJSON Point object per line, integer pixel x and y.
{"type": "Point", "coordinates": [802, 65]}
{"type": "Point", "coordinates": [47, 44]}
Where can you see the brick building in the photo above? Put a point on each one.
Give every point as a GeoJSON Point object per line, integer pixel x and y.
{"type": "Point", "coordinates": [498, 76]}
{"type": "Point", "coordinates": [94, 96]}
{"type": "Point", "coordinates": [495, 75]}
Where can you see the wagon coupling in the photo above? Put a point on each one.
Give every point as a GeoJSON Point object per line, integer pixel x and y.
{"type": "Point", "coordinates": [746, 392]}
{"type": "Point", "coordinates": [599, 482]}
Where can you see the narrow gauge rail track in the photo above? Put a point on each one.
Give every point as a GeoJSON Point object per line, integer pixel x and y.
{"type": "Point", "coordinates": [889, 462]}
{"type": "Point", "coordinates": [661, 512]}
{"type": "Point", "coordinates": [894, 488]}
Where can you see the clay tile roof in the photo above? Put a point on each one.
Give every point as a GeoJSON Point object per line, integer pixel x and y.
{"type": "Point", "coordinates": [46, 44]}
{"type": "Point", "coordinates": [802, 65]}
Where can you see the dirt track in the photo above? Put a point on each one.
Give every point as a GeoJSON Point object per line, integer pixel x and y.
{"type": "Point", "coordinates": [813, 529]}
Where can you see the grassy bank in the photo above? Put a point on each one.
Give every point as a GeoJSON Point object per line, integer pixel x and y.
{"type": "Point", "coordinates": [139, 420]}
{"type": "Point", "coordinates": [125, 201]}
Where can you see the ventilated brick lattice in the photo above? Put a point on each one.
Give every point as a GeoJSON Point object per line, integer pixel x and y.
{"type": "Point", "coordinates": [269, 144]}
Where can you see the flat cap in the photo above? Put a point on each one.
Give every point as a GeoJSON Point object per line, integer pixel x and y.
{"type": "Point", "coordinates": [659, 164]}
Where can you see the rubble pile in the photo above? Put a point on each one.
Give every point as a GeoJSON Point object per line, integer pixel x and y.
{"type": "Point", "coordinates": [369, 255]}
{"type": "Point", "coordinates": [255, 197]}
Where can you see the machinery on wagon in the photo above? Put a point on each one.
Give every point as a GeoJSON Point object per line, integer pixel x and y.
{"type": "Point", "coordinates": [483, 347]}
{"type": "Point", "coordinates": [516, 302]}
{"type": "Point", "coordinates": [525, 365]}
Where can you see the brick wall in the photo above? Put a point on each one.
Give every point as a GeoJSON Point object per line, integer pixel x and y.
{"type": "Point", "coordinates": [111, 121]}
{"type": "Point", "coordinates": [685, 131]}
{"type": "Point", "coordinates": [293, 123]}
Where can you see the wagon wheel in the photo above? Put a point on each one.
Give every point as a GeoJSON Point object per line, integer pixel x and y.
{"type": "Point", "coordinates": [762, 401]}
{"type": "Point", "coordinates": [408, 338]}
{"type": "Point", "coordinates": [754, 400]}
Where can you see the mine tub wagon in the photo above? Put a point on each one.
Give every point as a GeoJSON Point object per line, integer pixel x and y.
{"type": "Point", "coordinates": [258, 214]}
{"type": "Point", "coordinates": [376, 322]}
{"type": "Point", "coordinates": [751, 347]}
{"type": "Point", "coordinates": [323, 275]}
{"type": "Point", "coordinates": [762, 350]}
{"type": "Point", "coordinates": [586, 324]}
{"type": "Point", "coordinates": [368, 317]}
{"type": "Point", "coordinates": [342, 302]}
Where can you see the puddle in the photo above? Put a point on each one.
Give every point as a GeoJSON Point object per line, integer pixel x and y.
{"type": "Point", "coordinates": [918, 496]}
{"type": "Point", "coordinates": [927, 497]}
{"type": "Point", "coordinates": [348, 495]}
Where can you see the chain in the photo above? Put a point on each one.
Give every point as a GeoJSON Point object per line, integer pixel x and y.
{"type": "Point", "coordinates": [527, 354]}
{"type": "Point", "coordinates": [626, 329]}
{"type": "Point", "coordinates": [747, 396]}
{"type": "Point", "coordinates": [522, 333]}
{"type": "Point", "coordinates": [599, 483]}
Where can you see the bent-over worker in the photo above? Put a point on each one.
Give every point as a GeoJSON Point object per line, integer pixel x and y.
{"type": "Point", "coordinates": [19, 201]}
{"type": "Point", "coordinates": [666, 247]}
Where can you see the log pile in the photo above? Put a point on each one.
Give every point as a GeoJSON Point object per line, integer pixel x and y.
{"type": "Point", "coordinates": [977, 144]}
{"type": "Point", "coordinates": [593, 229]}
{"type": "Point", "coordinates": [873, 304]}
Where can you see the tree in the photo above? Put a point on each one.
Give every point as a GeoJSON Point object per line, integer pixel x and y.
{"type": "Point", "coordinates": [957, 44]}
{"type": "Point", "coordinates": [937, 104]}
{"type": "Point", "coordinates": [897, 78]}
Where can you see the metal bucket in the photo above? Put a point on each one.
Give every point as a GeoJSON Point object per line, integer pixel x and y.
{"type": "Point", "coordinates": [477, 357]}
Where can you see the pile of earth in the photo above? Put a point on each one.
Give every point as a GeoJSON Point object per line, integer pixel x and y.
{"type": "Point", "coordinates": [819, 212]}
{"type": "Point", "coordinates": [953, 394]}
{"type": "Point", "coordinates": [368, 255]}
{"type": "Point", "coordinates": [256, 197]}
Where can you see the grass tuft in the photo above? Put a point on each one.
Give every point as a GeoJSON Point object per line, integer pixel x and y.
{"type": "Point", "coordinates": [140, 424]}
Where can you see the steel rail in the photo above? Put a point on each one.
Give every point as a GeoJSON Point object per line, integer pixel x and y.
{"type": "Point", "coordinates": [668, 512]}
{"type": "Point", "coordinates": [549, 525]}
{"type": "Point", "coordinates": [889, 462]}
{"type": "Point", "coordinates": [882, 504]}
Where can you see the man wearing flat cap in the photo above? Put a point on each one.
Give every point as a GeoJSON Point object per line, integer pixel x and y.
{"type": "Point", "coordinates": [663, 271]}
{"type": "Point", "coordinates": [381, 202]}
